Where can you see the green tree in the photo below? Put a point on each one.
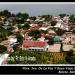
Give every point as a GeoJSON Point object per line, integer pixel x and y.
{"type": "Point", "coordinates": [47, 17]}
{"type": "Point", "coordinates": [19, 14]}
{"type": "Point", "coordinates": [51, 41]}
{"type": "Point", "coordinates": [19, 20]}
{"type": "Point", "coordinates": [41, 57]}
{"type": "Point", "coordinates": [9, 33]}
{"type": "Point", "coordinates": [61, 62]}
{"type": "Point", "coordinates": [13, 15]}
{"type": "Point", "coordinates": [53, 23]}
{"type": "Point", "coordinates": [34, 33]}
{"type": "Point", "coordinates": [33, 18]}
{"type": "Point", "coordinates": [22, 15]}
{"type": "Point", "coordinates": [3, 34]}
{"type": "Point", "coordinates": [69, 55]}
{"type": "Point", "coordinates": [26, 26]}
{"type": "Point", "coordinates": [60, 31]}
{"type": "Point", "coordinates": [72, 18]}
{"type": "Point", "coordinates": [10, 28]}
{"type": "Point", "coordinates": [5, 13]}
{"type": "Point", "coordinates": [62, 15]}
{"type": "Point", "coordinates": [19, 26]}
{"type": "Point", "coordinates": [19, 38]}
{"type": "Point", "coordinates": [15, 47]}
{"type": "Point", "coordinates": [3, 48]}
{"type": "Point", "coordinates": [25, 16]}
{"type": "Point", "coordinates": [43, 31]}
{"type": "Point", "coordinates": [72, 59]}
{"type": "Point", "coordinates": [4, 38]}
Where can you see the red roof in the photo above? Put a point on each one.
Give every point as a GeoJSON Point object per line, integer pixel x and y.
{"type": "Point", "coordinates": [30, 43]}
{"type": "Point", "coordinates": [9, 49]}
{"type": "Point", "coordinates": [5, 43]}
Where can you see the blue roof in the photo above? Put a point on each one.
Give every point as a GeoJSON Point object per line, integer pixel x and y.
{"type": "Point", "coordinates": [56, 38]}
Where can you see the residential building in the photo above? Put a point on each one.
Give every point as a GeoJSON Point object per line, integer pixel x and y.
{"type": "Point", "coordinates": [35, 45]}
{"type": "Point", "coordinates": [12, 39]}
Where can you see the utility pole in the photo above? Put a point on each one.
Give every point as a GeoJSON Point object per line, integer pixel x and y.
{"type": "Point", "coordinates": [61, 46]}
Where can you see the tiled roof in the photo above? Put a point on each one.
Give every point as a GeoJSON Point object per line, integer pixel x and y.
{"type": "Point", "coordinates": [30, 43]}
{"type": "Point", "coordinates": [11, 36]}
{"type": "Point", "coordinates": [5, 43]}
{"type": "Point", "coordinates": [9, 49]}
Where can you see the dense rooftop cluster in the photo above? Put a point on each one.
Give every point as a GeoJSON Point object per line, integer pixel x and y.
{"type": "Point", "coordinates": [38, 33]}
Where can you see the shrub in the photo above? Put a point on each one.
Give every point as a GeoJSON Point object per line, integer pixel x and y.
{"type": "Point", "coordinates": [2, 48]}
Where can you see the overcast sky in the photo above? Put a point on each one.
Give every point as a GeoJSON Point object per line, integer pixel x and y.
{"type": "Point", "coordinates": [38, 9]}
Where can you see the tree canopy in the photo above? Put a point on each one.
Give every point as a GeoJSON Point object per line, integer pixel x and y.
{"type": "Point", "coordinates": [72, 18]}
{"type": "Point", "coordinates": [3, 48]}
{"type": "Point", "coordinates": [26, 26]}
{"type": "Point", "coordinates": [15, 47]}
{"type": "Point", "coordinates": [5, 13]}
{"type": "Point", "coordinates": [19, 38]}
{"type": "Point", "coordinates": [51, 41]}
{"type": "Point", "coordinates": [62, 15]}
{"type": "Point", "coordinates": [22, 15]}
{"type": "Point", "coordinates": [53, 23]}
{"type": "Point", "coordinates": [47, 17]}
{"type": "Point", "coordinates": [34, 33]}
{"type": "Point", "coordinates": [33, 18]}
{"type": "Point", "coordinates": [60, 31]}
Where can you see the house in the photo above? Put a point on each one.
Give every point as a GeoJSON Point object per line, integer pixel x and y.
{"type": "Point", "coordinates": [66, 19]}
{"type": "Point", "coordinates": [22, 24]}
{"type": "Point", "coordinates": [5, 27]}
{"type": "Point", "coordinates": [59, 25]}
{"type": "Point", "coordinates": [28, 20]}
{"type": "Point", "coordinates": [2, 18]}
{"type": "Point", "coordinates": [38, 18]}
{"type": "Point", "coordinates": [46, 24]}
{"type": "Point", "coordinates": [8, 45]}
{"type": "Point", "coordinates": [47, 36]}
{"type": "Point", "coordinates": [62, 25]}
{"type": "Point", "coordinates": [10, 49]}
{"type": "Point", "coordinates": [12, 39]}
{"type": "Point", "coordinates": [25, 35]}
{"type": "Point", "coordinates": [56, 18]}
{"type": "Point", "coordinates": [15, 29]}
{"type": "Point", "coordinates": [43, 19]}
{"type": "Point", "coordinates": [68, 38]}
{"type": "Point", "coordinates": [35, 45]}
{"type": "Point", "coordinates": [51, 32]}
{"type": "Point", "coordinates": [56, 38]}
{"type": "Point", "coordinates": [41, 39]}
{"type": "Point", "coordinates": [65, 38]}
{"type": "Point", "coordinates": [5, 43]}
{"type": "Point", "coordinates": [44, 28]}
{"type": "Point", "coordinates": [33, 25]}
{"type": "Point", "coordinates": [6, 23]}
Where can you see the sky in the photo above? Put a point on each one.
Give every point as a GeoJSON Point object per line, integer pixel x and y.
{"type": "Point", "coordinates": [39, 9]}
